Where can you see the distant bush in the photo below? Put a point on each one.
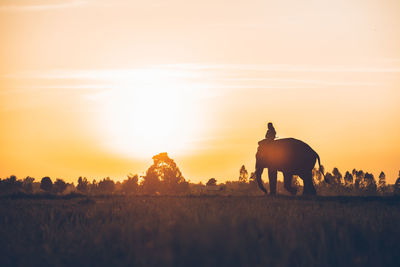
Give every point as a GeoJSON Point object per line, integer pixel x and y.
{"type": "Point", "coordinates": [59, 186]}
{"type": "Point", "coordinates": [46, 184]}
{"type": "Point", "coordinates": [130, 185]}
{"type": "Point", "coordinates": [11, 185]}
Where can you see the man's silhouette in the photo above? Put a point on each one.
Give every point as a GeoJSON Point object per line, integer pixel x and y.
{"type": "Point", "coordinates": [271, 133]}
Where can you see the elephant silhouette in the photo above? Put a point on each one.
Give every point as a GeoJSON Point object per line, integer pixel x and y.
{"type": "Point", "coordinates": [289, 156]}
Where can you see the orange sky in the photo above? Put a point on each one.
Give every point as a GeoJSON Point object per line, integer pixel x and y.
{"type": "Point", "coordinates": [96, 87]}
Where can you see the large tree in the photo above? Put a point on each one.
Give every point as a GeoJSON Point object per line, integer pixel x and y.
{"type": "Point", "coordinates": [164, 177]}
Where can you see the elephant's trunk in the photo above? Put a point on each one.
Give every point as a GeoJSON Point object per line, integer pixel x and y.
{"type": "Point", "coordinates": [259, 181]}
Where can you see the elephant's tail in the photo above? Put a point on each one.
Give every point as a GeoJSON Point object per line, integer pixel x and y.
{"type": "Point", "coordinates": [321, 168]}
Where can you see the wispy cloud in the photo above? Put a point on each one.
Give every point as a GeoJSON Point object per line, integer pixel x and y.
{"type": "Point", "coordinates": [43, 6]}
{"type": "Point", "coordinates": [216, 78]}
{"type": "Point", "coordinates": [302, 81]}
{"type": "Point", "coordinates": [288, 68]}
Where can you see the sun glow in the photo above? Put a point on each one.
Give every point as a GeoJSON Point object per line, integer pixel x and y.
{"type": "Point", "coordinates": [151, 110]}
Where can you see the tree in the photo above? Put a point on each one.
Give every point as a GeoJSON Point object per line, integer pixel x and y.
{"type": "Point", "coordinates": [164, 176]}
{"type": "Point", "coordinates": [354, 173]}
{"type": "Point", "coordinates": [59, 186]}
{"type": "Point", "coordinates": [211, 182]}
{"type": "Point", "coordinates": [130, 185]}
{"type": "Point", "coordinates": [337, 176]}
{"type": "Point", "coordinates": [317, 175]}
{"type": "Point", "coordinates": [27, 184]}
{"type": "Point", "coordinates": [252, 179]}
{"type": "Point", "coordinates": [370, 183]}
{"type": "Point", "coordinates": [295, 181]}
{"type": "Point", "coordinates": [359, 179]}
{"type": "Point", "coordinates": [46, 184]}
{"type": "Point", "coordinates": [150, 183]}
{"type": "Point", "coordinates": [397, 186]}
{"type": "Point", "coordinates": [348, 179]}
{"type": "Point", "coordinates": [330, 178]}
{"type": "Point", "coordinates": [382, 181]}
{"type": "Point", "coordinates": [243, 175]}
{"type": "Point", "coordinates": [93, 187]}
{"type": "Point", "coordinates": [10, 185]}
{"type": "Point", "coordinates": [83, 185]}
{"type": "Point", "coordinates": [106, 186]}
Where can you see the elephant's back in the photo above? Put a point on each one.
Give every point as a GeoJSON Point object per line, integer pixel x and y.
{"type": "Point", "coordinates": [287, 153]}
{"type": "Point", "coordinates": [293, 145]}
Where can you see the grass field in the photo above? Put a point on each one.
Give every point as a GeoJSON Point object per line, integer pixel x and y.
{"type": "Point", "coordinates": [200, 231]}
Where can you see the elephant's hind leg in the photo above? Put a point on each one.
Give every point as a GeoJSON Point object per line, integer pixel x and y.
{"type": "Point", "coordinates": [287, 180]}
{"type": "Point", "coordinates": [309, 188]}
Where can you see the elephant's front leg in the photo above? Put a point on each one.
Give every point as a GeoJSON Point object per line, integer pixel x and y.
{"type": "Point", "coordinates": [272, 175]}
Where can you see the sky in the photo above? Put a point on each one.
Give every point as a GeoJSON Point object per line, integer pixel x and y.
{"type": "Point", "coordinates": [95, 88]}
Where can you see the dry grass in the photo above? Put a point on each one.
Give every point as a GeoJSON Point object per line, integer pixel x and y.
{"type": "Point", "coordinates": [200, 231]}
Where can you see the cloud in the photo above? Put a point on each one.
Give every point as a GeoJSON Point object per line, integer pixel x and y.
{"type": "Point", "coordinates": [302, 81]}
{"type": "Point", "coordinates": [287, 68]}
{"type": "Point", "coordinates": [41, 7]}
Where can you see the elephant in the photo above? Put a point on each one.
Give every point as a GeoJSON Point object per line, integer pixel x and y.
{"type": "Point", "coordinates": [289, 156]}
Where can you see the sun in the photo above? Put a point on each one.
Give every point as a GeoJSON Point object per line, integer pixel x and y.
{"type": "Point", "coordinates": [150, 111]}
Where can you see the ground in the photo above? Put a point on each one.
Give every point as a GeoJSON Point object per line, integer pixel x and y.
{"type": "Point", "coordinates": [200, 231]}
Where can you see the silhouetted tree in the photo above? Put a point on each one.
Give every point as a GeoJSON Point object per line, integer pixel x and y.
{"type": "Point", "coordinates": [106, 186]}
{"type": "Point", "coordinates": [348, 179]}
{"type": "Point", "coordinates": [354, 173]}
{"type": "Point", "coordinates": [296, 182]}
{"type": "Point", "coordinates": [130, 185]}
{"type": "Point", "coordinates": [10, 185]}
{"type": "Point", "coordinates": [46, 184]}
{"type": "Point", "coordinates": [27, 184]}
{"type": "Point", "coordinates": [211, 182]}
{"type": "Point", "coordinates": [165, 174]}
{"type": "Point", "coordinates": [337, 175]}
{"type": "Point", "coordinates": [93, 187]}
{"type": "Point", "coordinates": [83, 185]}
{"type": "Point", "coordinates": [252, 179]}
{"type": "Point", "coordinates": [330, 178]}
{"type": "Point", "coordinates": [317, 176]}
{"type": "Point", "coordinates": [382, 182]}
{"type": "Point", "coordinates": [59, 186]}
{"type": "Point", "coordinates": [358, 184]}
{"type": "Point", "coordinates": [150, 183]}
{"type": "Point", "coordinates": [397, 185]}
{"type": "Point", "coordinates": [243, 175]}
{"type": "Point", "coordinates": [370, 183]}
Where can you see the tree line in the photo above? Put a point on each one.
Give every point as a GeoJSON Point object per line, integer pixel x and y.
{"type": "Point", "coordinates": [163, 177]}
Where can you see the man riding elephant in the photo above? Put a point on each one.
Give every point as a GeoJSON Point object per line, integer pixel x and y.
{"type": "Point", "coordinates": [289, 156]}
{"type": "Point", "coordinates": [271, 133]}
